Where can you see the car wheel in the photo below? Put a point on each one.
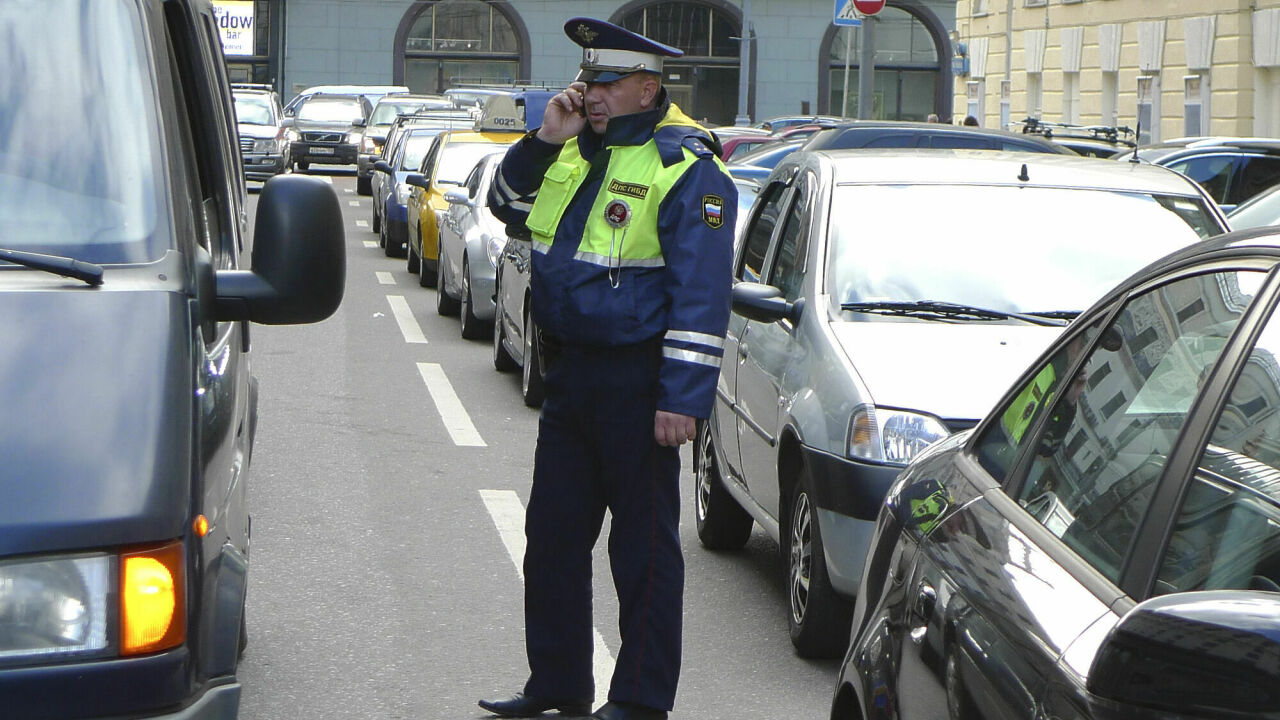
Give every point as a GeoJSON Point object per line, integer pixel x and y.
{"type": "Point", "coordinates": [426, 276]}
{"type": "Point", "coordinates": [377, 222]}
{"type": "Point", "coordinates": [531, 374]}
{"type": "Point", "coordinates": [502, 360]}
{"type": "Point", "coordinates": [386, 243]}
{"type": "Point", "coordinates": [817, 617]}
{"type": "Point", "coordinates": [412, 263]}
{"type": "Point", "coordinates": [364, 186]}
{"type": "Point", "coordinates": [445, 305]}
{"type": "Point", "coordinates": [244, 636]}
{"type": "Point", "coordinates": [722, 523]}
{"type": "Point", "coordinates": [472, 326]}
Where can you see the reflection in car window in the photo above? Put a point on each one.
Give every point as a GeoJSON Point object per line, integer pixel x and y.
{"type": "Point", "coordinates": [252, 110]}
{"type": "Point", "coordinates": [1227, 536]}
{"type": "Point", "coordinates": [1213, 172]}
{"type": "Point", "coordinates": [458, 159]}
{"type": "Point", "coordinates": [760, 232]}
{"type": "Point", "coordinates": [330, 111]}
{"type": "Point", "coordinates": [998, 447]}
{"type": "Point", "coordinates": [1048, 249]}
{"type": "Point", "coordinates": [1101, 450]}
{"type": "Point", "coordinates": [78, 146]}
{"type": "Point", "coordinates": [789, 261]}
{"type": "Point", "coordinates": [1258, 174]}
{"type": "Point", "coordinates": [415, 148]}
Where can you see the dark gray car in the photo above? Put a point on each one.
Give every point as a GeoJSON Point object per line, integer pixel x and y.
{"type": "Point", "coordinates": [326, 129]}
{"type": "Point", "coordinates": [1106, 543]}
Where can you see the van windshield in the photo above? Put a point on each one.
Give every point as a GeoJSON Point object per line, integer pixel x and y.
{"type": "Point", "coordinates": [78, 132]}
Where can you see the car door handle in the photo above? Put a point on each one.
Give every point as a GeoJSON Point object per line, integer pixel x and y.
{"type": "Point", "coordinates": [742, 350]}
{"type": "Point", "coordinates": [926, 600]}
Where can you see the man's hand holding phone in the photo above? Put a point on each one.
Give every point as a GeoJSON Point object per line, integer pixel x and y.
{"type": "Point", "coordinates": [566, 115]}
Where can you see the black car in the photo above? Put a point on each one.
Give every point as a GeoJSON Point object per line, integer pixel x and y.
{"type": "Point", "coordinates": [902, 134]}
{"type": "Point", "coordinates": [326, 129]}
{"type": "Point", "coordinates": [1106, 543]}
{"type": "Point", "coordinates": [129, 405]}
{"type": "Point", "coordinates": [1231, 170]}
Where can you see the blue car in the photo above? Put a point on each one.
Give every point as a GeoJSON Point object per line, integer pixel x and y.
{"type": "Point", "coordinates": [392, 193]}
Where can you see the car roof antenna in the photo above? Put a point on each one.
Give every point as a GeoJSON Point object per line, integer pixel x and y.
{"type": "Point", "coordinates": [1137, 140]}
{"type": "Point", "coordinates": [1023, 176]}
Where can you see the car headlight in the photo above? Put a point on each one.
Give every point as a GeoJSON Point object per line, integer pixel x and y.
{"type": "Point", "coordinates": [292, 135]}
{"type": "Point", "coordinates": [493, 245]}
{"type": "Point", "coordinates": [403, 190]}
{"type": "Point", "coordinates": [354, 137]}
{"type": "Point", "coordinates": [54, 606]}
{"type": "Point", "coordinates": [892, 436]}
{"type": "Point", "coordinates": [268, 145]}
{"type": "Point", "coordinates": [366, 145]}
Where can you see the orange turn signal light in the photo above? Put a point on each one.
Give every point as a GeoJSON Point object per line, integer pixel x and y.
{"type": "Point", "coordinates": [200, 525]}
{"type": "Point", "coordinates": [153, 614]}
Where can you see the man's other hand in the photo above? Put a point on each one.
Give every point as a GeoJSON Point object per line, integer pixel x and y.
{"type": "Point", "coordinates": [672, 429]}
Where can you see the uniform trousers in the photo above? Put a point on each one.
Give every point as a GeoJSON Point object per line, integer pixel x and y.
{"type": "Point", "coordinates": [596, 451]}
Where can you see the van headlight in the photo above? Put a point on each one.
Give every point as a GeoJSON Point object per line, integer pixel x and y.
{"type": "Point", "coordinates": [54, 605]}
{"type": "Point", "coordinates": [891, 436]}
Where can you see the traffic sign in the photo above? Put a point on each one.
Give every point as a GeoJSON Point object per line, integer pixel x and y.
{"type": "Point", "coordinates": [868, 7]}
{"type": "Point", "coordinates": [846, 16]}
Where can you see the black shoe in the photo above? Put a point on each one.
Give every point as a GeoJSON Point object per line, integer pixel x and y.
{"type": "Point", "coordinates": [523, 706]}
{"type": "Point", "coordinates": [628, 711]}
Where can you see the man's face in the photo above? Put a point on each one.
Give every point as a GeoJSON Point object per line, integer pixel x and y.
{"type": "Point", "coordinates": [623, 96]}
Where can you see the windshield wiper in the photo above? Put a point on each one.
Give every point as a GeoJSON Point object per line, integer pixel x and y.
{"type": "Point", "coordinates": [66, 267]}
{"type": "Point", "coordinates": [1061, 314]}
{"type": "Point", "coordinates": [936, 310]}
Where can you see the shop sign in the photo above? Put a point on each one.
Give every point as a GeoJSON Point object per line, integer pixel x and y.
{"type": "Point", "coordinates": [235, 24]}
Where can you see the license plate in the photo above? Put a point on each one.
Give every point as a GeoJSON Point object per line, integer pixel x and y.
{"type": "Point", "coordinates": [320, 151]}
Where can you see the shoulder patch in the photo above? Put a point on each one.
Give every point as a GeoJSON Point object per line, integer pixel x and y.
{"type": "Point", "coordinates": [698, 146]}
{"type": "Point", "coordinates": [713, 211]}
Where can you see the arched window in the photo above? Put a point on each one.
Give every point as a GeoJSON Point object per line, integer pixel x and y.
{"type": "Point", "coordinates": [704, 83]}
{"type": "Point", "coordinates": [447, 43]}
{"type": "Point", "coordinates": [910, 79]}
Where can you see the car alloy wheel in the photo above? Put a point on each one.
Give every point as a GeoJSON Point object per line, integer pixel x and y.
{"type": "Point", "coordinates": [800, 568]}
{"type": "Point", "coordinates": [502, 360]}
{"type": "Point", "coordinates": [472, 326]}
{"type": "Point", "coordinates": [721, 521]}
{"type": "Point", "coordinates": [818, 617]}
{"type": "Point", "coordinates": [531, 373]}
{"type": "Point", "coordinates": [445, 305]}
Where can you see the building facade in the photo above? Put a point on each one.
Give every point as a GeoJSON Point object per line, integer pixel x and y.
{"type": "Point", "coordinates": [1163, 69]}
{"type": "Point", "coordinates": [796, 53]}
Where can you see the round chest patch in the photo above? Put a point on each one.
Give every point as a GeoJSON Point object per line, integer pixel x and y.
{"type": "Point", "coordinates": [617, 213]}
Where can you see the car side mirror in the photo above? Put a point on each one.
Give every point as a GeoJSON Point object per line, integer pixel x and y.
{"type": "Point", "coordinates": [1215, 651]}
{"type": "Point", "coordinates": [299, 257]}
{"type": "Point", "coordinates": [764, 303]}
{"type": "Point", "coordinates": [360, 123]}
{"type": "Point", "coordinates": [457, 196]}
{"type": "Point", "coordinates": [287, 120]}
{"type": "Point", "coordinates": [418, 180]}
{"type": "Point", "coordinates": [383, 166]}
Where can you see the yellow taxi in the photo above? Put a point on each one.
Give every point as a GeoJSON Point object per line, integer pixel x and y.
{"type": "Point", "coordinates": [446, 165]}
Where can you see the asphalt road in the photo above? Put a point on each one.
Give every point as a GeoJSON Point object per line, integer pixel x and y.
{"type": "Point", "coordinates": [388, 479]}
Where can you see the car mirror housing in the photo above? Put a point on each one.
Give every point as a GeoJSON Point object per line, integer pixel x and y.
{"type": "Point", "coordinates": [360, 122]}
{"type": "Point", "coordinates": [418, 180]}
{"type": "Point", "coordinates": [1215, 651]}
{"type": "Point", "coordinates": [383, 166]}
{"type": "Point", "coordinates": [764, 303]}
{"type": "Point", "coordinates": [457, 197]}
{"type": "Point", "coordinates": [299, 257]}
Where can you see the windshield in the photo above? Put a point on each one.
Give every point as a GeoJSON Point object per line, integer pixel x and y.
{"type": "Point", "coordinates": [252, 110]}
{"type": "Point", "coordinates": [78, 143]}
{"type": "Point", "coordinates": [1029, 250]}
{"type": "Point", "coordinates": [415, 148]}
{"type": "Point", "coordinates": [1258, 211]}
{"type": "Point", "coordinates": [386, 112]}
{"type": "Point", "coordinates": [330, 111]}
{"type": "Point", "coordinates": [460, 158]}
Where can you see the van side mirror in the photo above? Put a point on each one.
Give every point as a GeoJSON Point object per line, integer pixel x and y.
{"type": "Point", "coordinates": [764, 303]}
{"type": "Point", "coordinates": [1215, 651]}
{"type": "Point", "coordinates": [299, 257]}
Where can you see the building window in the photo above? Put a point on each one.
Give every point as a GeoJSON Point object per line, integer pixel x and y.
{"type": "Point", "coordinates": [906, 61]}
{"type": "Point", "coordinates": [980, 7]}
{"type": "Point", "coordinates": [1035, 95]}
{"type": "Point", "coordinates": [1195, 105]}
{"type": "Point", "coordinates": [460, 42]}
{"type": "Point", "coordinates": [1148, 109]}
{"type": "Point", "coordinates": [703, 83]}
{"type": "Point", "coordinates": [1071, 97]}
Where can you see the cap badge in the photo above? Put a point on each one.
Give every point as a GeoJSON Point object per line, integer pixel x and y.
{"type": "Point", "coordinates": [617, 213]}
{"type": "Point", "coordinates": [585, 33]}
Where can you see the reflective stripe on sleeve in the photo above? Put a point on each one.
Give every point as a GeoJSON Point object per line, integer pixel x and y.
{"type": "Point", "coordinates": [691, 356]}
{"type": "Point", "coordinates": [698, 338]}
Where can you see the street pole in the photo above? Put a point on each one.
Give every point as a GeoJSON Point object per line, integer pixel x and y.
{"type": "Point", "coordinates": [848, 50]}
{"type": "Point", "coordinates": [866, 68]}
{"type": "Point", "coordinates": [744, 67]}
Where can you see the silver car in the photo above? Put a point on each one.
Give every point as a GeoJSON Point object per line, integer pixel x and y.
{"type": "Point", "coordinates": [884, 300]}
{"type": "Point", "coordinates": [471, 243]}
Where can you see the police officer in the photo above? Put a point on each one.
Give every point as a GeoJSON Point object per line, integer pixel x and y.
{"type": "Point", "coordinates": [631, 215]}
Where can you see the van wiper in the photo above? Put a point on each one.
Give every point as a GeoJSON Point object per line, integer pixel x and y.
{"type": "Point", "coordinates": [1062, 314]}
{"type": "Point", "coordinates": [936, 310]}
{"type": "Point", "coordinates": [64, 266]}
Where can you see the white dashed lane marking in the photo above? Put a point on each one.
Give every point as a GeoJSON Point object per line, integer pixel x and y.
{"type": "Point", "coordinates": [404, 318]}
{"type": "Point", "coordinates": [508, 515]}
{"type": "Point", "coordinates": [371, 243]}
{"type": "Point", "coordinates": [353, 203]}
{"type": "Point", "coordinates": [362, 223]}
{"type": "Point", "coordinates": [385, 278]}
{"type": "Point", "coordinates": [455, 417]}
